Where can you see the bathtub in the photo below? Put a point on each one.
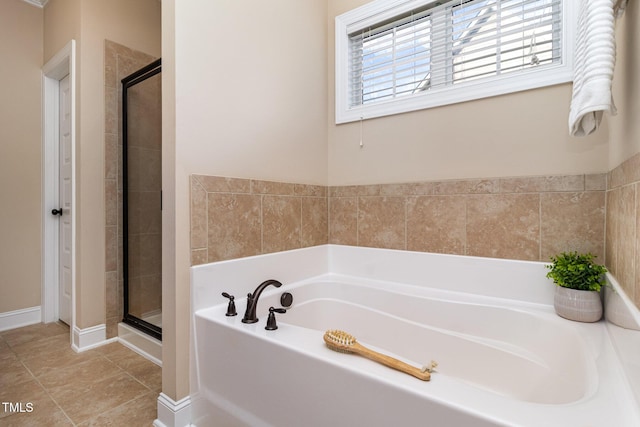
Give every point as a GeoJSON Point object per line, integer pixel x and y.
{"type": "Point", "coordinates": [501, 361]}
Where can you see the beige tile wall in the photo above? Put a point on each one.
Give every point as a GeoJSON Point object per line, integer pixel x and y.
{"type": "Point", "coordinates": [119, 62]}
{"type": "Point", "coordinates": [528, 218]}
{"type": "Point", "coordinates": [623, 226]}
{"type": "Point", "coordinates": [233, 218]}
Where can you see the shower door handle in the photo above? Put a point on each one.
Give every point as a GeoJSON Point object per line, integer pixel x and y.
{"type": "Point", "coordinates": [56, 212]}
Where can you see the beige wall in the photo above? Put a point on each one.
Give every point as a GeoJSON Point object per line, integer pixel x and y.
{"type": "Point", "coordinates": [518, 134]}
{"type": "Point", "coordinates": [20, 155]}
{"type": "Point", "coordinates": [175, 301]}
{"type": "Point", "coordinates": [253, 108]}
{"type": "Point", "coordinates": [61, 24]}
{"type": "Point", "coordinates": [625, 126]}
{"type": "Point", "coordinates": [134, 24]}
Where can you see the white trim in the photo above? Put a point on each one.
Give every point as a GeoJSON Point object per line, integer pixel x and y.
{"type": "Point", "coordinates": [172, 413]}
{"type": "Point", "coordinates": [17, 318]}
{"type": "Point", "coordinates": [380, 10]}
{"type": "Point", "coordinates": [61, 65]}
{"type": "Point", "coordinates": [88, 338]}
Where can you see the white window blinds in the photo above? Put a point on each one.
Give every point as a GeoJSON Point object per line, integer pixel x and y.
{"type": "Point", "coordinates": [451, 43]}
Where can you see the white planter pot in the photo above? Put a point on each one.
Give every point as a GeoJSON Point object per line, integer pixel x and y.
{"type": "Point", "coordinates": [581, 306]}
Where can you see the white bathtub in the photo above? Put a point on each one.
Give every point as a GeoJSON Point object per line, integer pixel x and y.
{"type": "Point", "coordinates": [502, 361]}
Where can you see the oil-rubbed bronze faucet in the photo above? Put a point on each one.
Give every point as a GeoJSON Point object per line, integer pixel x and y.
{"type": "Point", "coordinates": [252, 300]}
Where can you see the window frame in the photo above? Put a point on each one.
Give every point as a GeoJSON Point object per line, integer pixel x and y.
{"type": "Point", "coordinates": [382, 10]}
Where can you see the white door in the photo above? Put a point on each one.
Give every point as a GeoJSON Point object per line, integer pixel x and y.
{"type": "Point", "coordinates": [65, 244]}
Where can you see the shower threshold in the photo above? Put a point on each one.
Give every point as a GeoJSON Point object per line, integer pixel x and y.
{"type": "Point", "coordinates": [153, 317]}
{"type": "Point", "coordinates": [146, 346]}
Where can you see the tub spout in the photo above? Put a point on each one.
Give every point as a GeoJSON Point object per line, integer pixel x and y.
{"type": "Point", "coordinates": [252, 300]}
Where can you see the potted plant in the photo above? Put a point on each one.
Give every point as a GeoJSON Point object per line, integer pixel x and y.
{"type": "Point", "coordinates": [579, 281]}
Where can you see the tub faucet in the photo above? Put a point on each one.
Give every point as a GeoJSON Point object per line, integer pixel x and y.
{"type": "Point", "coordinates": [252, 300]}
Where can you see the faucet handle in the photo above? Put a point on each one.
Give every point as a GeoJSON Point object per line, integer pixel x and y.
{"type": "Point", "coordinates": [271, 320]}
{"type": "Point", "coordinates": [286, 299]}
{"type": "Point", "coordinates": [231, 308]}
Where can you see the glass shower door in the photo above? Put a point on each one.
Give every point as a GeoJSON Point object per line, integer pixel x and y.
{"type": "Point", "coordinates": [142, 199]}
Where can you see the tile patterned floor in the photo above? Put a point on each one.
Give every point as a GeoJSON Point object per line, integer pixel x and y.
{"type": "Point", "coordinates": [108, 386]}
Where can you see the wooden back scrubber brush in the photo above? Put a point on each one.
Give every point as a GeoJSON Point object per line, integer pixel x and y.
{"type": "Point", "coordinates": [345, 343]}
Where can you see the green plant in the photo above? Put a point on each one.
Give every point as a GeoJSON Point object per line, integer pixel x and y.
{"type": "Point", "coordinates": [576, 271]}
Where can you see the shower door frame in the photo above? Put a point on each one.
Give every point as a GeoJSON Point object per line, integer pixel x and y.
{"type": "Point", "coordinates": [137, 77]}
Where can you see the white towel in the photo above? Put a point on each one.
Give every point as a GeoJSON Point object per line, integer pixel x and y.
{"type": "Point", "coordinates": [595, 57]}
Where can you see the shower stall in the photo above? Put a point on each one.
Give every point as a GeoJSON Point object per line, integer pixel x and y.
{"type": "Point", "coordinates": [142, 199]}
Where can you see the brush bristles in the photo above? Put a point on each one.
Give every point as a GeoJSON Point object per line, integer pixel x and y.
{"type": "Point", "coordinates": [341, 337]}
{"type": "Point", "coordinates": [339, 340]}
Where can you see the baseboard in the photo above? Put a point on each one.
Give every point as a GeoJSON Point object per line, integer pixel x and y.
{"type": "Point", "coordinates": [18, 318]}
{"type": "Point", "coordinates": [172, 413]}
{"type": "Point", "coordinates": [88, 338]}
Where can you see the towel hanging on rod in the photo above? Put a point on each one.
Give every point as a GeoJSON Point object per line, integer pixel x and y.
{"type": "Point", "coordinates": [593, 66]}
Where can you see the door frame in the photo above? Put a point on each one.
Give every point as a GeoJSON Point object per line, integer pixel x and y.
{"type": "Point", "coordinates": [62, 64]}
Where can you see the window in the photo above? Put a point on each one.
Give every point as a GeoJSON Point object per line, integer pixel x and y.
{"type": "Point", "coordinates": [398, 56]}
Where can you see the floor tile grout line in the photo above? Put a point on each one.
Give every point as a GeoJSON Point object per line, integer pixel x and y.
{"type": "Point", "coordinates": [20, 358]}
{"type": "Point", "coordinates": [116, 407]}
{"type": "Point", "coordinates": [120, 370]}
{"type": "Point", "coordinates": [44, 388]}
{"type": "Point", "coordinates": [117, 372]}
{"type": "Point", "coordinates": [10, 348]}
{"type": "Point", "coordinates": [134, 377]}
{"type": "Point", "coordinates": [49, 337]}
{"type": "Point", "coordinates": [138, 381]}
{"type": "Point", "coordinates": [48, 393]}
{"type": "Point", "coordinates": [34, 335]}
{"type": "Point", "coordinates": [149, 390]}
